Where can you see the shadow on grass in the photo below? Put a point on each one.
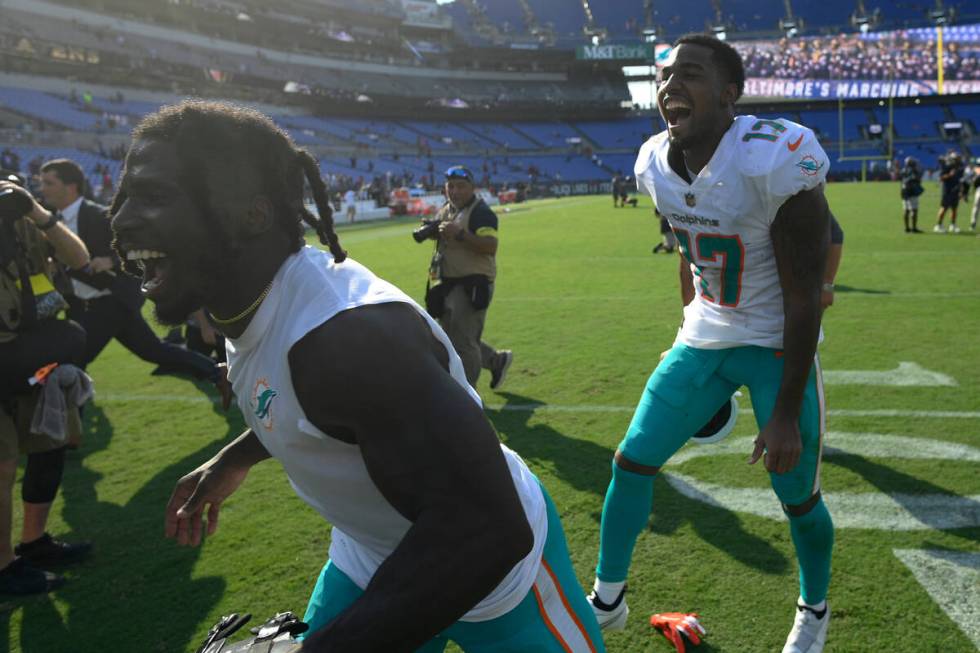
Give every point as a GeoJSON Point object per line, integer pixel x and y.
{"type": "Point", "coordinates": [860, 291]}
{"type": "Point", "coordinates": [716, 526]}
{"type": "Point", "coordinates": [586, 466]}
{"type": "Point", "coordinates": [582, 464]}
{"type": "Point", "coordinates": [901, 487]}
{"type": "Point", "coordinates": [137, 590]}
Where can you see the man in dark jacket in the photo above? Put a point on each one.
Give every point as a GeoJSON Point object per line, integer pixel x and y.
{"type": "Point", "coordinates": [107, 302]}
{"type": "Point", "coordinates": [911, 189]}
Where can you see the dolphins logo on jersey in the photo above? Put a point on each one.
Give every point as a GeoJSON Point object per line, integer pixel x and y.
{"type": "Point", "coordinates": [809, 165]}
{"type": "Point", "coordinates": [262, 396]}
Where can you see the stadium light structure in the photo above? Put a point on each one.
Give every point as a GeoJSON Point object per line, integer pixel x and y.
{"type": "Point", "coordinates": [791, 26]}
{"type": "Point", "coordinates": [863, 20]}
{"type": "Point", "coordinates": [941, 16]}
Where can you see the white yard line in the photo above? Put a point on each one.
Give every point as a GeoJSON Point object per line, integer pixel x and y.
{"type": "Point", "coordinates": [952, 579]}
{"type": "Point", "coordinates": [642, 297]}
{"type": "Point", "coordinates": [116, 397]}
{"type": "Point", "coordinates": [897, 511]}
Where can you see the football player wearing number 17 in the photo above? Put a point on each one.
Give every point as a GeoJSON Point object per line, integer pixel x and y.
{"type": "Point", "coordinates": [744, 197]}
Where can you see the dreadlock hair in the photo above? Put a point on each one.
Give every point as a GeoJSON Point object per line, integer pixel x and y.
{"type": "Point", "coordinates": [218, 144]}
{"type": "Point", "coordinates": [723, 55]}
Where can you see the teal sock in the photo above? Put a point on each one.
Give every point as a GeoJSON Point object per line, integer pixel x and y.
{"type": "Point", "coordinates": [624, 516]}
{"type": "Point", "coordinates": [813, 537]}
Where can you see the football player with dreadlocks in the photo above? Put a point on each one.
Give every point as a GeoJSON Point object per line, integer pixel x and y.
{"type": "Point", "coordinates": [440, 533]}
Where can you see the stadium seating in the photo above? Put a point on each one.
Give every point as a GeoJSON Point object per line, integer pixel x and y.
{"type": "Point", "coordinates": [914, 121]}
{"type": "Point", "coordinates": [628, 133]}
{"type": "Point", "coordinates": [751, 15]}
{"type": "Point", "coordinates": [57, 111]}
{"type": "Point", "coordinates": [87, 160]}
{"type": "Point", "coordinates": [463, 23]}
{"type": "Point", "coordinates": [566, 16]}
{"type": "Point", "coordinates": [504, 152]}
{"type": "Point", "coordinates": [824, 13]}
{"type": "Point", "coordinates": [968, 111]}
{"type": "Point", "coordinates": [616, 16]}
{"type": "Point", "coordinates": [503, 136]}
{"type": "Point", "coordinates": [826, 123]}
{"type": "Point", "coordinates": [548, 134]}
{"type": "Point", "coordinates": [681, 17]}
{"type": "Point", "coordinates": [617, 163]}
{"type": "Point", "coordinates": [507, 14]}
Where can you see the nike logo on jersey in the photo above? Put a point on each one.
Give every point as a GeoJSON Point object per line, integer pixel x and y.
{"type": "Point", "coordinates": [792, 146]}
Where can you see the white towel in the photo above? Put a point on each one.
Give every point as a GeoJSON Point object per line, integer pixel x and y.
{"type": "Point", "coordinates": [66, 384]}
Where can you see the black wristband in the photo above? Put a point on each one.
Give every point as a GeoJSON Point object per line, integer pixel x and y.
{"type": "Point", "coordinates": [50, 223]}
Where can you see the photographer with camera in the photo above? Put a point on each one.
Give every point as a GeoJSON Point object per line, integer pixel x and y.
{"type": "Point", "coordinates": [462, 273]}
{"type": "Point", "coordinates": [31, 336]}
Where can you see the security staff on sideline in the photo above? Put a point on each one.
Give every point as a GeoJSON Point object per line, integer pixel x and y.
{"type": "Point", "coordinates": [462, 273]}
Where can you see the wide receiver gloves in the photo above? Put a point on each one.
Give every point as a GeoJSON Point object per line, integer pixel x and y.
{"type": "Point", "coordinates": [678, 626]}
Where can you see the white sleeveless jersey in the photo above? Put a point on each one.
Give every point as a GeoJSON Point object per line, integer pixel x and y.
{"type": "Point", "coordinates": [328, 474]}
{"type": "Point", "coordinates": [722, 223]}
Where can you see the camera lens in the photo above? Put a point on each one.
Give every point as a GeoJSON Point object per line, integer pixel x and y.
{"type": "Point", "coordinates": [13, 204]}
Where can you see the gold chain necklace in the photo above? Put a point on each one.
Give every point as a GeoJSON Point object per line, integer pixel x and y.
{"type": "Point", "coordinates": [254, 305]}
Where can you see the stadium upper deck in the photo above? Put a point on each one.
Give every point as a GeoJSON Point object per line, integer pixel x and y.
{"type": "Point", "coordinates": [454, 84]}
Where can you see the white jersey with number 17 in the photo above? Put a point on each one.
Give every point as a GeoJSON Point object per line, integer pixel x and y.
{"type": "Point", "coordinates": [722, 221]}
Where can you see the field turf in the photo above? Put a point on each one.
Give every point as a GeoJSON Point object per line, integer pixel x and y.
{"type": "Point", "coordinates": [587, 309]}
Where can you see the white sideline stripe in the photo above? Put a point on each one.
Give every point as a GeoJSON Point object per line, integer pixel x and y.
{"type": "Point", "coordinates": [906, 374]}
{"type": "Point", "coordinates": [550, 602]}
{"type": "Point", "coordinates": [868, 510]}
{"type": "Point", "coordinates": [643, 297]}
{"type": "Point", "coordinates": [871, 511]}
{"type": "Point", "coordinates": [558, 408]}
{"type": "Point", "coordinates": [952, 579]}
{"type": "Point", "coordinates": [838, 443]}
{"type": "Point", "coordinates": [402, 230]}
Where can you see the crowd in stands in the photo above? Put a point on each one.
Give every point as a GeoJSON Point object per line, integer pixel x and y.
{"type": "Point", "coordinates": [852, 56]}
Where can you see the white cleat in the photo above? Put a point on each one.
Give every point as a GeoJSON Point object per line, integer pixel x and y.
{"type": "Point", "coordinates": [611, 616]}
{"type": "Point", "coordinates": [953, 229]}
{"type": "Point", "coordinates": [809, 630]}
{"type": "Point", "coordinates": [939, 229]}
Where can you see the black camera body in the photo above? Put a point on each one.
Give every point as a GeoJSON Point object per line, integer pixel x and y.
{"type": "Point", "coordinates": [428, 229]}
{"type": "Point", "coordinates": [14, 205]}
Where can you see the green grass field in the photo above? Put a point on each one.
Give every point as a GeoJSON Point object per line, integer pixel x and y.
{"type": "Point", "coordinates": [587, 309]}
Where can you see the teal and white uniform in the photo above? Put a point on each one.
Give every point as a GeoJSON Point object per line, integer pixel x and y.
{"type": "Point", "coordinates": [331, 475]}
{"type": "Point", "coordinates": [732, 333]}
{"type": "Point", "coordinates": [733, 330]}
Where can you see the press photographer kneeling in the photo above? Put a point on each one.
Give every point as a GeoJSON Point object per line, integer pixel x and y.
{"type": "Point", "coordinates": [462, 274]}
{"type": "Point", "coordinates": [31, 337]}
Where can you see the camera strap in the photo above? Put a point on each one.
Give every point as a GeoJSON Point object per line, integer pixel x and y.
{"type": "Point", "coordinates": [28, 304]}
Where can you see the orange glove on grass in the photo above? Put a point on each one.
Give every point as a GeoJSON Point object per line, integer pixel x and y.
{"type": "Point", "coordinates": [676, 626]}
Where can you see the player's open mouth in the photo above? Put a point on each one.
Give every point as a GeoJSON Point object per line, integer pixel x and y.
{"type": "Point", "coordinates": [155, 266]}
{"type": "Point", "coordinates": [676, 111]}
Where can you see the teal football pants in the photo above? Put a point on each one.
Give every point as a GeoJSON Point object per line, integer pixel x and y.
{"type": "Point", "coordinates": [554, 617]}
{"type": "Point", "coordinates": [682, 394]}
{"type": "Point", "coordinates": [690, 385]}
